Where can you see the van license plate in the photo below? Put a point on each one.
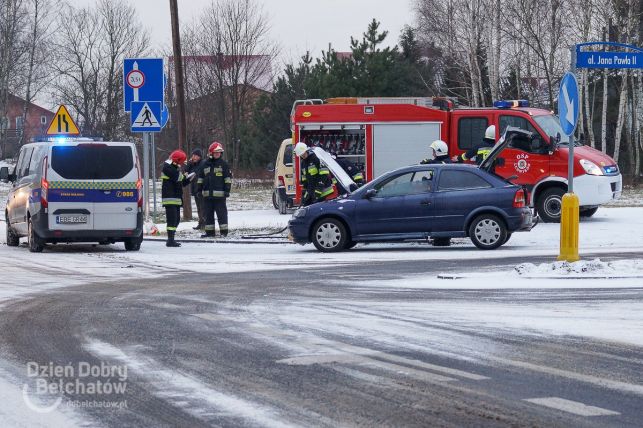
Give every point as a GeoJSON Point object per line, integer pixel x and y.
{"type": "Point", "coordinates": [71, 219]}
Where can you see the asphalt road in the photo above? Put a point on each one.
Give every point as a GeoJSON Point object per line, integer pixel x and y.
{"type": "Point", "coordinates": [313, 348]}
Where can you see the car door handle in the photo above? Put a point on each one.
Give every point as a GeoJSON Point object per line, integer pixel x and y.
{"type": "Point", "coordinates": [425, 203]}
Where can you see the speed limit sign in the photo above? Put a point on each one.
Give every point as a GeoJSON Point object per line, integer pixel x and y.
{"type": "Point", "coordinates": [135, 79]}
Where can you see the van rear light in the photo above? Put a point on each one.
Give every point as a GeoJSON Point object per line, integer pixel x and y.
{"type": "Point", "coordinates": [281, 180]}
{"type": "Point", "coordinates": [519, 199]}
{"type": "Point", "coordinates": [139, 187]}
{"type": "Point", "coordinates": [44, 184]}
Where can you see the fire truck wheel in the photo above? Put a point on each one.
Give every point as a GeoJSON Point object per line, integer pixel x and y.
{"type": "Point", "coordinates": [588, 212]}
{"type": "Point", "coordinates": [488, 232]}
{"type": "Point", "coordinates": [550, 204]}
{"type": "Point", "coordinates": [275, 199]}
{"type": "Point", "coordinates": [329, 235]}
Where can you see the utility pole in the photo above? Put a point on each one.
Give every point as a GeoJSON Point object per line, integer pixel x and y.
{"type": "Point", "coordinates": [180, 98]}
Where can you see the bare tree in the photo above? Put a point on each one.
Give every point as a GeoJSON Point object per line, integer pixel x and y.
{"type": "Point", "coordinates": [37, 75]}
{"type": "Point", "coordinates": [235, 34]}
{"type": "Point", "coordinates": [12, 26]}
{"type": "Point", "coordinates": [96, 41]}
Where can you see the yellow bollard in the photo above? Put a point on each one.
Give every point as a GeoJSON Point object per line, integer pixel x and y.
{"type": "Point", "coordinates": [569, 228]}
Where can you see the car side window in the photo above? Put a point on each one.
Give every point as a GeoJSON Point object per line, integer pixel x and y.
{"type": "Point", "coordinates": [288, 155]}
{"type": "Point", "coordinates": [461, 180]}
{"type": "Point", "coordinates": [36, 159]}
{"type": "Point", "coordinates": [412, 183]}
{"type": "Point", "coordinates": [23, 163]}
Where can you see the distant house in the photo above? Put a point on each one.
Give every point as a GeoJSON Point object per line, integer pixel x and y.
{"type": "Point", "coordinates": [15, 131]}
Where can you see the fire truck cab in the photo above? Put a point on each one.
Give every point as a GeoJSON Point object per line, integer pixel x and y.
{"type": "Point", "coordinates": [381, 134]}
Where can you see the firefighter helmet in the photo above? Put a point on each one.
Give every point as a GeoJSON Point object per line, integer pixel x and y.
{"type": "Point", "coordinates": [178, 156]}
{"type": "Point", "coordinates": [300, 148]}
{"type": "Point", "coordinates": [490, 133]}
{"type": "Point", "coordinates": [440, 148]}
{"type": "Point", "coordinates": [215, 147]}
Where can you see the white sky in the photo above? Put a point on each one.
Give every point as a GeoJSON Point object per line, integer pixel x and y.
{"type": "Point", "coordinates": [297, 25]}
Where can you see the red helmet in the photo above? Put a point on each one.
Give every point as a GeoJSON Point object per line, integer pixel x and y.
{"type": "Point", "coordinates": [178, 156]}
{"type": "Point", "coordinates": [215, 147]}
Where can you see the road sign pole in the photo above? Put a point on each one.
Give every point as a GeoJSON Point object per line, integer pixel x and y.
{"type": "Point", "coordinates": [154, 177]}
{"type": "Point", "coordinates": [146, 174]}
{"type": "Point", "coordinates": [570, 207]}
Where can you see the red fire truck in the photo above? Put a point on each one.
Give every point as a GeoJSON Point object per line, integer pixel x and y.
{"type": "Point", "coordinates": [381, 134]}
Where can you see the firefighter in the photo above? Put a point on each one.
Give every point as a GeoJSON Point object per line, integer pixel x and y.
{"type": "Point", "coordinates": [315, 178]}
{"type": "Point", "coordinates": [438, 153]}
{"type": "Point", "coordinates": [214, 183]}
{"type": "Point", "coordinates": [353, 172]}
{"type": "Point", "coordinates": [195, 164]}
{"type": "Point", "coordinates": [480, 152]}
{"type": "Point", "coordinates": [172, 192]}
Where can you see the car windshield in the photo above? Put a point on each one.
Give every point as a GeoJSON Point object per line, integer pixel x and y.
{"type": "Point", "coordinates": [551, 125]}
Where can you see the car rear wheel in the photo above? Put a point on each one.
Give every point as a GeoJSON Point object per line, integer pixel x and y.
{"type": "Point", "coordinates": [36, 244]}
{"type": "Point", "coordinates": [488, 232]}
{"type": "Point", "coordinates": [588, 212]}
{"type": "Point", "coordinates": [329, 235]}
{"type": "Point", "coordinates": [550, 204]}
{"type": "Point", "coordinates": [507, 238]}
{"type": "Point", "coordinates": [12, 239]}
{"type": "Point", "coordinates": [133, 244]}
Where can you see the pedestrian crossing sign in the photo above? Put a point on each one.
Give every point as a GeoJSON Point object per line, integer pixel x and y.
{"type": "Point", "coordinates": [146, 116]}
{"type": "Point", "coordinates": [62, 123]}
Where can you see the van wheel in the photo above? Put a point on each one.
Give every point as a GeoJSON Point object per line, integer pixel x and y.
{"type": "Point", "coordinates": [329, 235]}
{"type": "Point", "coordinates": [550, 204]}
{"type": "Point", "coordinates": [35, 243]}
{"type": "Point", "coordinates": [275, 198]}
{"type": "Point", "coordinates": [12, 239]}
{"type": "Point", "coordinates": [588, 212]}
{"type": "Point", "coordinates": [488, 232]}
{"type": "Point", "coordinates": [133, 244]}
{"type": "Point", "coordinates": [282, 205]}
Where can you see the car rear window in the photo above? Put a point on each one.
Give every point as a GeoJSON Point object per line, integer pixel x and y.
{"type": "Point", "coordinates": [92, 162]}
{"type": "Point", "coordinates": [461, 180]}
{"type": "Point", "coordinates": [288, 155]}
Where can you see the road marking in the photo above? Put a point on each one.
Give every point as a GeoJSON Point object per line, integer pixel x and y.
{"type": "Point", "coordinates": [364, 361]}
{"type": "Point", "coordinates": [569, 406]}
{"type": "Point", "coordinates": [210, 317]}
{"type": "Point", "coordinates": [594, 380]}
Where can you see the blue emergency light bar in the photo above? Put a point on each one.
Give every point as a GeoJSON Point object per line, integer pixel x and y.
{"type": "Point", "coordinates": [510, 103]}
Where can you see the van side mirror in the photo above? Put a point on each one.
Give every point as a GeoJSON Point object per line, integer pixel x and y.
{"type": "Point", "coordinates": [4, 174]}
{"type": "Point", "coordinates": [270, 167]}
{"type": "Point", "coordinates": [370, 193]}
{"type": "Point", "coordinates": [553, 143]}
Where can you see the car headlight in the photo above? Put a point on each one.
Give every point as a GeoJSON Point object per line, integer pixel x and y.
{"type": "Point", "coordinates": [590, 167]}
{"type": "Point", "coordinates": [301, 212]}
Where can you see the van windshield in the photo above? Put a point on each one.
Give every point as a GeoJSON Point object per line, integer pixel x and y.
{"type": "Point", "coordinates": [92, 161]}
{"type": "Point", "coordinates": [551, 125]}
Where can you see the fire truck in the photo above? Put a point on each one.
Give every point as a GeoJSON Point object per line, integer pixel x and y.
{"type": "Point", "coordinates": [381, 134]}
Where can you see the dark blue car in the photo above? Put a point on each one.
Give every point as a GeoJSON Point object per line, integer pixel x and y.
{"type": "Point", "coordinates": [418, 202]}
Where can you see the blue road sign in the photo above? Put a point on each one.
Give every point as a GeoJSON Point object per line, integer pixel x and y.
{"type": "Point", "coordinates": [143, 80]}
{"type": "Point", "coordinates": [633, 58]}
{"type": "Point", "coordinates": [146, 116]}
{"type": "Point", "coordinates": [568, 103]}
{"type": "Point", "coordinates": [609, 60]}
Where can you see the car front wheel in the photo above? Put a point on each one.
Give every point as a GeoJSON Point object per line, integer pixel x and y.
{"type": "Point", "coordinates": [12, 239]}
{"type": "Point", "coordinates": [488, 232]}
{"type": "Point", "coordinates": [329, 235]}
{"type": "Point", "coordinates": [35, 242]}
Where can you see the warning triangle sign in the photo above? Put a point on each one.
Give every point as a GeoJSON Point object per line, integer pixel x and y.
{"type": "Point", "coordinates": [146, 118]}
{"type": "Point", "coordinates": [62, 123]}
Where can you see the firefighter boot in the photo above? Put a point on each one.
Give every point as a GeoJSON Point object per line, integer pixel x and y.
{"type": "Point", "coordinates": [170, 240]}
{"type": "Point", "coordinates": [208, 234]}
